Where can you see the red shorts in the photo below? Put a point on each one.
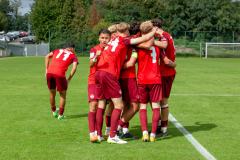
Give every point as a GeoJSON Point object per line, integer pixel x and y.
{"type": "Point", "coordinates": [108, 85]}
{"type": "Point", "coordinates": [54, 81]}
{"type": "Point", "coordinates": [149, 93]}
{"type": "Point", "coordinates": [92, 92]}
{"type": "Point", "coordinates": [167, 85]}
{"type": "Point", "coordinates": [129, 89]}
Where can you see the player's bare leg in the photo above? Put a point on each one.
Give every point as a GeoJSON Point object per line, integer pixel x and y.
{"type": "Point", "coordinates": [130, 112]}
{"type": "Point", "coordinates": [108, 114]}
{"type": "Point", "coordinates": [118, 106]}
{"type": "Point", "coordinates": [155, 120]}
{"type": "Point", "coordinates": [62, 104]}
{"type": "Point", "coordinates": [164, 115]}
{"type": "Point", "coordinates": [99, 118]}
{"type": "Point", "coordinates": [92, 120]}
{"type": "Point", "coordinates": [127, 116]}
{"type": "Point", "coordinates": [53, 103]}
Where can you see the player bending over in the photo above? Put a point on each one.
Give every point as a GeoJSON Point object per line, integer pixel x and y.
{"type": "Point", "coordinates": [57, 63]}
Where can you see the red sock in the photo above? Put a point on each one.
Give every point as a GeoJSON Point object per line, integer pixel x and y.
{"type": "Point", "coordinates": [155, 119]}
{"type": "Point", "coordinates": [61, 111]}
{"type": "Point", "coordinates": [53, 108]}
{"type": "Point", "coordinates": [126, 125]}
{"type": "Point", "coordinates": [143, 119]}
{"type": "Point", "coordinates": [123, 124]}
{"type": "Point", "coordinates": [120, 123]}
{"type": "Point", "coordinates": [99, 120]}
{"type": "Point", "coordinates": [91, 121]}
{"type": "Point", "coordinates": [108, 120]}
{"type": "Point", "coordinates": [164, 123]}
{"type": "Point", "coordinates": [114, 121]}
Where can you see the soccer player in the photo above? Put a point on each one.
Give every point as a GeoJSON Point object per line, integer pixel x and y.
{"type": "Point", "coordinates": [107, 75]}
{"type": "Point", "coordinates": [168, 73]}
{"type": "Point", "coordinates": [110, 106]}
{"type": "Point", "coordinates": [149, 84]}
{"type": "Point", "coordinates": [60, 59]}
{"type": "Point", "coordinates": [128, 85]}
{"type": "Point", "coordinates": [104, 38]}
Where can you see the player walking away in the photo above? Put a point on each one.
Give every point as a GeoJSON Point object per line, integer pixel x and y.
{"type": "Point", "coordinates": [107, 75]}
{"type": "Point", "coordinates": [104, 38]}
{"type": "Point", "coordinates": [168, 73]}
{"type": "Point", "coordinates": [60, 59]}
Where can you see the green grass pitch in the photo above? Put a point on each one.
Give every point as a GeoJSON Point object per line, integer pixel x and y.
{"type": "Point", "coordinates": [205, 100]}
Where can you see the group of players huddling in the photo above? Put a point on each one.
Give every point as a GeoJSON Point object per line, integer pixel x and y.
{"type": "Point", "coordinates": [113, 79]}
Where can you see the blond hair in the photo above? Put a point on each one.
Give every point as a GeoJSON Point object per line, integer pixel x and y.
{"type": "Point", "coordinates": [123, 27]}
{"type": "Point", "coordinates": [146, 27]}
{"type": "Point", "coordinates": [113, 28]}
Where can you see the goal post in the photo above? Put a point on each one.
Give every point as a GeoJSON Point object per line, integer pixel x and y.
{"type": "Point", "coordinates": [230, 50]}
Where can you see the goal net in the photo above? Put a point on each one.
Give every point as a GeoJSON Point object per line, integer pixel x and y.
{"type": "Point", "coordinates": [221, 50]}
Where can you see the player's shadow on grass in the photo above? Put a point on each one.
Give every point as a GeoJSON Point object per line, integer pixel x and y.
{"type": "Point", "coordinates": [76, 116]}
{"type": "Point", "coordinates": [174, 132]}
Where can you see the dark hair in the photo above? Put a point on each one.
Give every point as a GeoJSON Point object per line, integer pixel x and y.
{"type": "Point", "coordinates": [134, 28]}
{"type": "Point", "coordinates": [104, 31]}
{"type": "Point", "coordinates": [157, 22]}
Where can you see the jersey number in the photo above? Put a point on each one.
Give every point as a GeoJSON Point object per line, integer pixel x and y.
{"type": "Point", "coordinates": [66, 54]}
{"type": "Point", "coordinates": [114, 44]}
{"type": "Point", "coordinates": [154, 55]}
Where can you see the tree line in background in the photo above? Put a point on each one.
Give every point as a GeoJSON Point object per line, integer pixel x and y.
{"type": "Point", "coordinates": [59, 21]}
{"type": "Point", "coordinates": [10, 19]}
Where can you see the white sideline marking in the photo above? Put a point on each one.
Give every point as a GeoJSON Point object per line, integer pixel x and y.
{"type": "Point", "coordinates": [206, 95]}
{"type": "Point", "coordinates": [191, 139]}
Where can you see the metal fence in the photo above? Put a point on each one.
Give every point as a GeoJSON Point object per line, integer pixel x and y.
{"type": "Point", "coordinates": [18, 49]}
{"type": "Point", "coordinates": [192, 43]}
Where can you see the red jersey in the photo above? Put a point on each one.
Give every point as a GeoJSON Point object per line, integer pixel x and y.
{"type": "Point", "coordinates": [93, 69]}
{"type": "Point", "coordinates": [170, 53]}
{"type": "Point", "coordinates": [61, 60]}
{"type": "Point", "coordinates": [113, 56]}
{"type": "Point", "coordinates": [148, 66]}
{"type": "Point", "coordinates": [131, 71]}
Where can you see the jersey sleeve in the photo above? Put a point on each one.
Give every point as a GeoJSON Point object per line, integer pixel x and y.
{"type": "Point", "coordinates": [162, 54]}
{"type": "Point", "coordinates": [75, 59]}
{"type": "Point", "coordinates": [127, 40]}
{"type": "Point", "coordinates": [92, 53]}
{"type": "Point", "coordinates": [56, 51]}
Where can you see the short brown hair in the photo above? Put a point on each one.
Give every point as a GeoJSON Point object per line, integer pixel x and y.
{"type": "Point", "coordinates": [123, 27]}
{"type": "Point", "coordinates": [158, 22]}
{"type": "Point", "coordinates": [146, 27]}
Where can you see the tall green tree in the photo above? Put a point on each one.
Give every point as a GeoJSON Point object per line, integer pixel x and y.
{"type": "Point", "coordinates": [45, 18]}
{"type": "Point", "coordinates": [5, 6]}
{"type": "Point", "coordinates": [3, 21]}
{"type": "Point", "coordinates": [5, 10]}
{"type": "Point", "coordinates": [65, 19]}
